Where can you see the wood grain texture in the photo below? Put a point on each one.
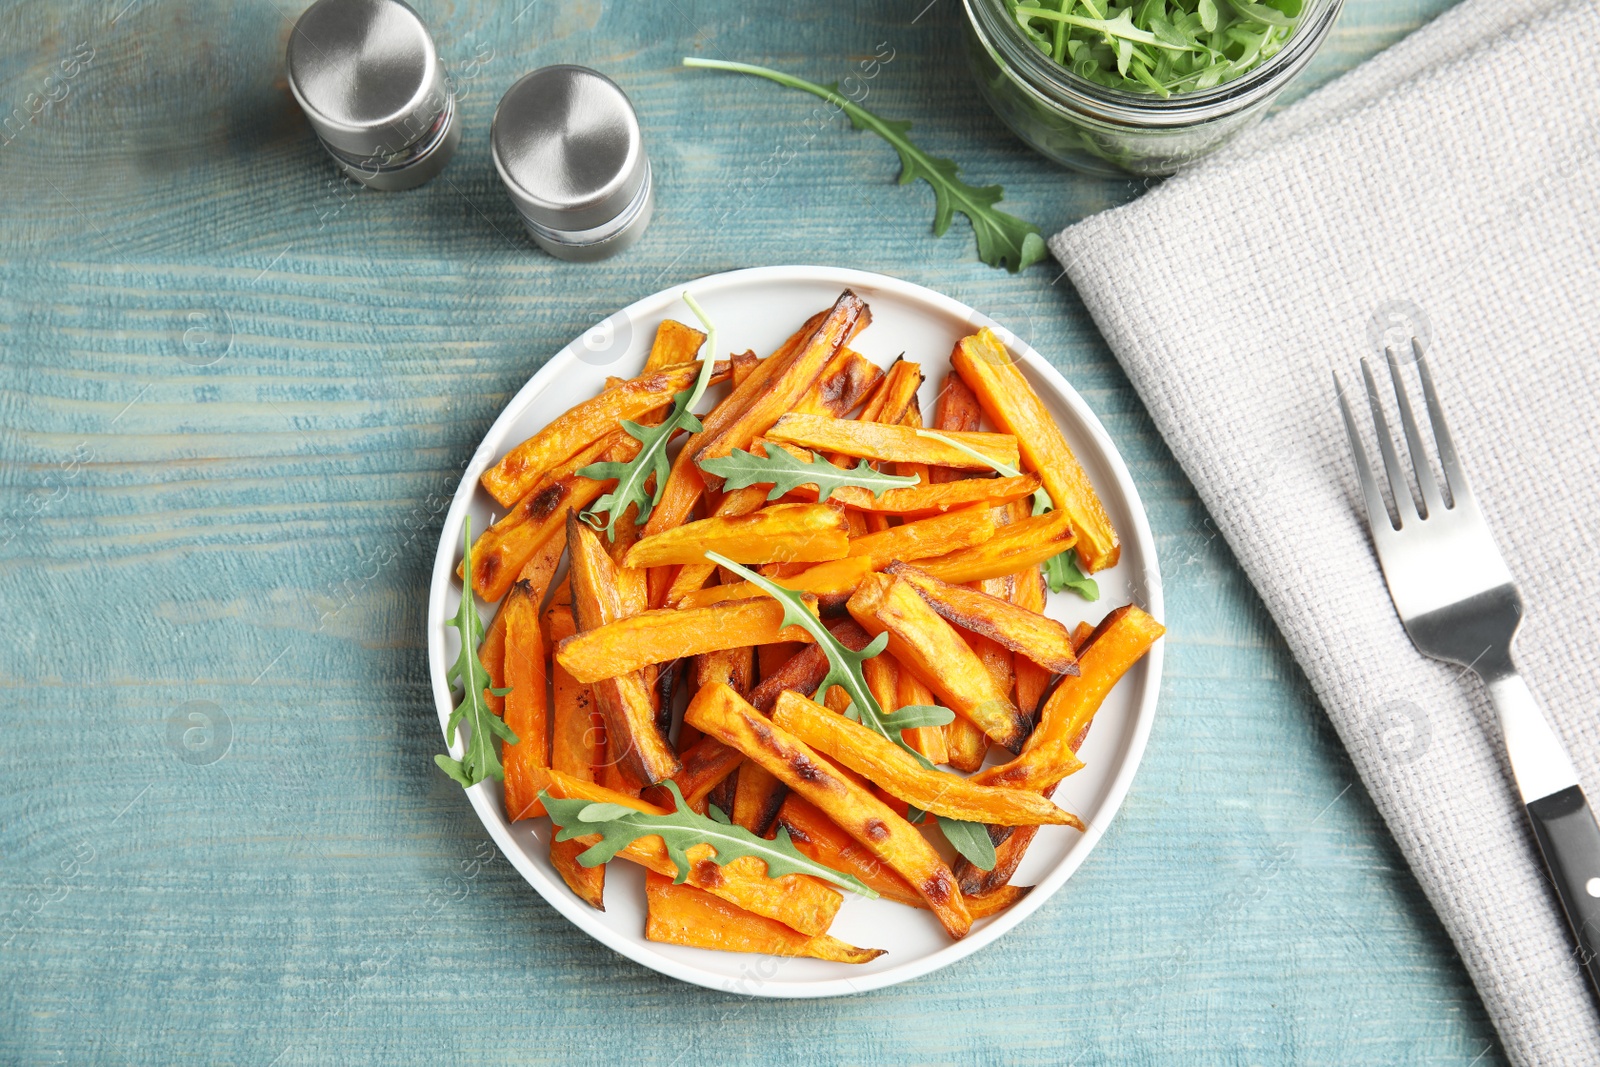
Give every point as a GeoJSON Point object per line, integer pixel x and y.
{"type": "Point", "coordinates": [235, 399]}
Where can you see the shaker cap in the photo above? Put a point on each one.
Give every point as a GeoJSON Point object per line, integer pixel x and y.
{"type": "Point", "coordinates": [367, 74]}
{"type": "Point", "coordinates": [566, 142]}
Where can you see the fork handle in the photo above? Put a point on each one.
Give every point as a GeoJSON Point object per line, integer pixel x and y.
{"type": "Point", "coordinates": [1570, 841]}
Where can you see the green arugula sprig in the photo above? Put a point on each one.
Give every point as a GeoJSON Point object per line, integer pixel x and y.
{"type": "Point", "coordinates": [680, 830]}
{"type": "Point", "coordinates": [1061, 571]}
{"type": "Point", "coordinates": [633, 477]}
{"type": "Point", "coordinates": [844, 670]}
{"type": "Point", "coordinates": [1003, 239]}
{"type": "Point", "coordinates": [1158, 46]}
{"type": "Point", "coordinates": [479, 762]}
{"type": "Point", "coordinates": [786, 471]}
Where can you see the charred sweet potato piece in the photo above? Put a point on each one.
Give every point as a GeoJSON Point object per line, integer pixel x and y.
{"type": "Point", "coordinates": [624, 701]}
{"type": "Point", "coordinates": [787, 388]}
{"type": "Point", "coordinates": [845, 382]}
{"type": "Point", "coordinates": [1027, 593]}
{"type": "Point", "coordinates": [893, 444]}
{"type": "Point", "coordinates": [684, 915]}
{"type": "Point", "coordinates": [799, 901]}
{"type": "Point", "coordinates": [1013, 406]}
{"type": "Point", "coordinates": [955, 409]}
{"type": "Point", "coordinates": [631, 643]}
{"type": "Point", "coordinates": [523, 533]}
{"type": "Point", "coordinates": [758, 797]}
{"type": "Point", "coordinates": [526, 706]}
{"type": "Point", "coordinates": [1120, 641]}
{"type": "Point", "coordinates": [965, 744]}
{"type": "Point", "coordinates": [718, 712]}
{"type": "Point", "coordinates": [977, 883]}
{"type": "Point", "coordinates": [788, 532]}
{"type": "Point", "coordinates": [1040, 638]}
{"type": "Point", "coordinates": [867, 753]}
{"type": "Point", "coordinates": [928, 646]}
{"type": "Point", "coordinates": [1012, 548]}
{"type": "Point", "coordinates": [675, 343]}
{"type": "Point", "coordinates": [582, 425]}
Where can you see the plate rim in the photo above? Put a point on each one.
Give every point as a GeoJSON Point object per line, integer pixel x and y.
{"type": "Point", "coordinates": [485, 803]}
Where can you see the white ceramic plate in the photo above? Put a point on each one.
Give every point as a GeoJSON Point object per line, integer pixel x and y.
{"type": "Point", "coordinates": [757, 309]}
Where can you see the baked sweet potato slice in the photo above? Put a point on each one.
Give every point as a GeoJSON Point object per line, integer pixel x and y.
{"type": "Point", "coordinates": [799, 901]}
{"type": "Point", "coordinates": [789, 533]}
{"type": "Point", "coordinates": [931, 648]}
{"type": "Point", "coordinates": [786, 389]}
{"type": "Point", "coordinates": [719, 712]}
{"type": "Point", "coordinates": [1038, 637]}
{"type": "Point", "coordinates": [1120, 641]}
{"type": "Point", "coordinates": [965, 744]}
{"type": "Point", "coordinates": [757, 798]}
{"type": "Point", "coordinates": [933, 537]}
{"type": "Point", "coordinates": [577, 743]}
{"type": "Point", "coordinates": [1028, 593]}
{"type": "Point", "coordinates": [910, 691]}
{"type": "Point", "coordinates": [624, 701]}
{"type": "Point", "coordinates": [524, 532]}
{"type": "Point", "coordinates": [831, 583]}
{"type": "Point", "coordinates": [845, 382]}
{"type": "Point", "coordinates": [977, 883]}
{"type": "Point", "coordinates": [1013, 406]}
{"type": "Point", "coordinates": [519, 470]}
{"type": "Point", "coordinates": [683, 915]}
{"type": "Point", "coordinates": [891, 444]}
{"type": "Point", "coordinates": [634, 642]}
{"type": "Point", "coordinates": [955, 409]}
{"type": "Point", "coordinates": [527, 709]}
{"type": "Point", "coordinates": [881, 761]}
{"type": "Point", "coordinates": [675, 343]}
{"type": "Point", "coordinates": [1012, 548]}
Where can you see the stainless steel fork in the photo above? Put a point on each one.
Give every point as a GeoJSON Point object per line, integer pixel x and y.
{"type": "Point", "coordinates": [1457, 599]}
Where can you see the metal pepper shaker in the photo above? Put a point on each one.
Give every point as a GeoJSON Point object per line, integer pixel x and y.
{"type": "Point", "coordinates": [567, 145]}
{"type": "Point", "coordinates": [368, 76]}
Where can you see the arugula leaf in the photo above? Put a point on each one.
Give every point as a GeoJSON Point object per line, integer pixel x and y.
{"type": "Point", "coordinates": [633, 476]}
{"type": "Point", "coordinates": [680, 831]}
{"type": "Point", "coordinates": [1061, 570]}
{"type": "Point", "coordinates": [844, 670]}
{"type": "Point", "coordinates": [971, 839]}
{"type": "Point", "coordinates": [1003, 240]}
{"type": "Point", "coordinates": [1062, 573]}
{"type": "Point", "coordinates": [786, 471]}
{"type": "Point", "coordinates": [480, 761]}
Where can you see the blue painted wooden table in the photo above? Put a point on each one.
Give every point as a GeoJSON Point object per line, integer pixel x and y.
{"type": "Point", "coordinates": [236, 397]}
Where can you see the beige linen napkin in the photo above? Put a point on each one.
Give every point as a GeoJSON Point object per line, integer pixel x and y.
{"type": "Point", "coordinates": [1452, 183]}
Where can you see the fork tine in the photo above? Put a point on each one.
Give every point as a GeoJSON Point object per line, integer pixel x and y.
{"type": "Point", "coordinates": [1432, 502]}
{"type": "Point", "coordinates": [1454, 474]}
{"type": "Point", "coordinates": [1377, 511]}
{"type": "Point", "coordinates": [1404, 505]}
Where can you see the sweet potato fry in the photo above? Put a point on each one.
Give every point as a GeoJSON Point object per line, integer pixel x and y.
{"type": "Point", "coordinates": [1011, 549]}
{"type": "Point", "coordinates": [819, 837]}
{"type": "Point", "coordinates": [758, 798]}
{"type": "Point", "coordinates": [965, 744]}
{"type": "Point", "coordinates": [577, 743]}
{"type": "Point", "coordinates": [692, 577]}
{"type": "Point", "coordinates": [1040, 638]}
{"type": "Point", "coordinates": [894, 444]}
{"type": "Point", "coordinates": [744, 365]}
{"type": "Point", "coordinates": [799, 901]}
{"type": "Point", "coordinates": [1013, 406]}
{"type": "Point", "coordinates": [786, 389]}
{"type": "Point", "coordinates": [1028, 593]}
{"type": "Point", "coordinates": [928, 740]}
{"type": "Point", "coordinates": [731, 666]}
{"type": "Point", "coordinates": [503, 549]}
{"type": "Point", "coordinates": [675, 343]}
{"type": "Point", "coordinates": [831, 583]}
{"type": "Point", "coordinates": [632, 643]}
{"type": "Point", "coordinates": [789, 532]}
{"type": "Point", "coordinates": [929, 647]}
{"type": "Point", "coordinates": [1121, 640]}
{"type": "Point", "coordinates": [927, 538]}
{"type": "Point", "coordinates": [624, 700]}
{"type": "Point", "coordinates": [580, 426]}
{"type": "Point", "coordinates": [955, 409]}
{"type": "Point", "coordinates": [718, 712]}
{"type": "Point", "coordinates": [526, 706]}
{"type": "Point", "coordinates": [977, 883]}
{"type": "Point", "coordinates": [881, 761]}
{"type": "Point", "coordinates": [684, 915]}
{"type": "Point", "coordinates": [844, 384]}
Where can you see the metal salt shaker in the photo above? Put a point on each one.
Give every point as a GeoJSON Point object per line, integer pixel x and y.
{"type": "Point", "coordinates": [567, 145]}
{"type": "Point", "coordinates": [368, 76]}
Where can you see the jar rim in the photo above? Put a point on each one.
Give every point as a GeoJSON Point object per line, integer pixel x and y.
{"type": "Point", "coordinates": [1043, 76]}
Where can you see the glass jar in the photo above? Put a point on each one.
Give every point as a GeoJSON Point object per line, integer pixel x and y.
{"type": "Point", "coordinates": [1113, 132]}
